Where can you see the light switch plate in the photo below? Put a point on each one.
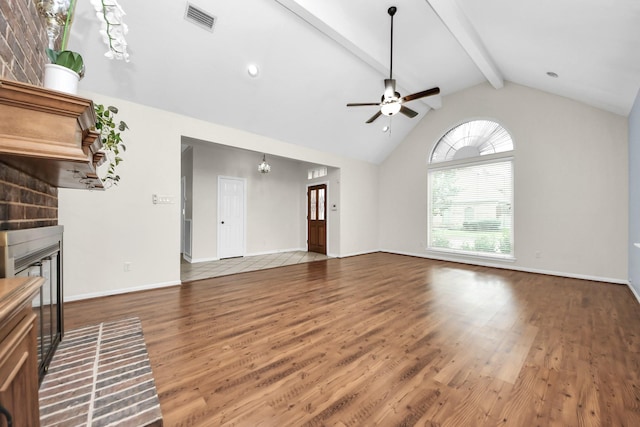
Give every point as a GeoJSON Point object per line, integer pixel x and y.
{"type": "Point", "coordinates": [163, 199]}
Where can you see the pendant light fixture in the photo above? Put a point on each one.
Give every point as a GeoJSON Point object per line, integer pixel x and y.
{"type": "Point", "coordinates": [264, 167]}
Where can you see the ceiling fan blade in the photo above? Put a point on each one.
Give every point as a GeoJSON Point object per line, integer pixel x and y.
{"type": "Point", "coordinates": [408, 112]}
{"type": "Point", "coordinates": [375, 116]}
{"type": "Point", "coordinates": [389, 88]}
{"type": "Point", "coordinates": [365, 104]}
{"type": "Point", "coordinates": [428, 92]}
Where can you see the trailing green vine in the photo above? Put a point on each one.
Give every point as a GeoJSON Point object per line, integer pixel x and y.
{"type": "Point", "coordinates": [112, 143]}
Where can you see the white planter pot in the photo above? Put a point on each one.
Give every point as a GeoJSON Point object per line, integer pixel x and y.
{"type": "Point", "coordinates": [61, 78]}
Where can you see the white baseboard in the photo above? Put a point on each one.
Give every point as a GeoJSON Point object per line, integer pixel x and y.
{"type": "Point", "coordinates": [197, 260]}
{"type": "Point", "coordinates": [633, 291]}
{"type": "Point", "coordinates": [419, 255]}
{"type": "Point", "coordinates": [278, 251]}
{"type": "Point", "coordinates": [121, 291]}
{"type": "Point", "coordinates": [511, 267]}
{"type": "Point", "coordinates": [359, 253]}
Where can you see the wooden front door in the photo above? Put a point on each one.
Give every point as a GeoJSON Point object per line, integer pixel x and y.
{"type": "Point", "coordinates": [317, 218]}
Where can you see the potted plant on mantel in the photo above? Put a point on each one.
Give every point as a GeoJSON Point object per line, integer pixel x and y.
{"type": "Point", "coordinates": [64, 72]}
{"type": "Point", "coordinates": [59, 14]}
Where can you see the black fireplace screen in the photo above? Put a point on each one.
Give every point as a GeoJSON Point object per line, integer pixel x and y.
{"type": "Point", "coordinates": [38, 252]}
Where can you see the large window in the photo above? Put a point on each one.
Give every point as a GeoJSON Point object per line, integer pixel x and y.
{"type": "Point", "coordinates": [471, 191]}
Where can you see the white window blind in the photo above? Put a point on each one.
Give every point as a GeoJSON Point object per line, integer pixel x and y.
{"type": "Point", "coordinates": [471, 209]}
{"type": "Point", "coordinates": [472, 139]}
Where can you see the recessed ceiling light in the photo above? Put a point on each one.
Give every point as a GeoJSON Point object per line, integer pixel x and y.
{"type": "Point", "coordinates": [552, 74]}
{"type": "Point", "coordinates": [253, 70]}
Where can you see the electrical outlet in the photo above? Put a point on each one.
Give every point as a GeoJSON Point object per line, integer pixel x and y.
{"type": "Point", "coordinates": [127, 266]}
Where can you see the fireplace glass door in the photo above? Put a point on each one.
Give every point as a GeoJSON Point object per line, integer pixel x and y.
{"type": "Point", "coordinates": [38, 252]}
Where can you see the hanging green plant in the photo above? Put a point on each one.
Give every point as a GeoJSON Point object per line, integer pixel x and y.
{"type": "Point", "coordinates": [112, 144]}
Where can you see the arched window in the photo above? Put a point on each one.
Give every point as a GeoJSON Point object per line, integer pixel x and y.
{"type": "Point", "coordinates": [471, 191]}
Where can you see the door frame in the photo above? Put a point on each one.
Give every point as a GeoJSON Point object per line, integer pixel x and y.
{"type": "Point", "coordinates": [306, 212]}
{"type": "Point", "coordinates": [183, 199]}
{"type": "Point", "coordinates": [244, 214]}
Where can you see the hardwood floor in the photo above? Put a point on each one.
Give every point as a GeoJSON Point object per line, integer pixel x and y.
{"type": "Point", "coordinates": [387, 340]}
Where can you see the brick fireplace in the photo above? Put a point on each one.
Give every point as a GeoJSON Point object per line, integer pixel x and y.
{"type": "Point", "coordinates": [25, 202]}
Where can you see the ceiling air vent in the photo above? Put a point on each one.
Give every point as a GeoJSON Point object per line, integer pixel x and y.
{"type": "Point", "coordinates": [199, 17]}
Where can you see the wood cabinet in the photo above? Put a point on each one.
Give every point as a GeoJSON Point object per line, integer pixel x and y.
{"type": "Point", "coordinates": [18, 351]}
{"type": "Point", "coordinates": [48, 134]}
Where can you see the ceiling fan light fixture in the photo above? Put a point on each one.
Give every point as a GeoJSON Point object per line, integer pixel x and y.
{"type": "Point", "coordinates": [390, 108]}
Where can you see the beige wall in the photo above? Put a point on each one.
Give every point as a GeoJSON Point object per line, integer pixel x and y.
{"type": "Point", "coordinates": [276, 202]}
{"type": "Point", "coordinates": [275, 208]}
{"type": "Point", "coordinates": [570, 181]}
{"type": "Point", "coordinates": [570, 197]}
{"type": "Point", "coordinates": [103, 230]}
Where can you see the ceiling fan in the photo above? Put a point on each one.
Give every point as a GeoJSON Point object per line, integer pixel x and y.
{"type": "Point", "coordinates": [391, 101]}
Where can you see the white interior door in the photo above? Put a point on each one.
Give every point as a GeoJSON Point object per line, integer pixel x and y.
{"type": "Point", "coordinates": [231, 217]}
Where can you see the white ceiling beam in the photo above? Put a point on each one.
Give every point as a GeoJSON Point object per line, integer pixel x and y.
{"type": "Point", "coordinates": [325, 28]}
{"type": "Point", "coordinates": [458, 24]}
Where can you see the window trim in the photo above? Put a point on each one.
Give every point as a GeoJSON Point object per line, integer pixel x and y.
{"type": "Point", "coordinates": [460, 123]}
{"type": "Point", "coordinates": [489, 158]}
{"type": "Point", "coordinates": [504, 156]}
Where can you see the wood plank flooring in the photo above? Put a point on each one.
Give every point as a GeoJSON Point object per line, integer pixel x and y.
{"type": "Point", "coordinates": [387, 340]}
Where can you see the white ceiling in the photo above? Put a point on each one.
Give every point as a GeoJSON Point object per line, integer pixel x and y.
{"type": "Point", "coordinates": [316, 56]}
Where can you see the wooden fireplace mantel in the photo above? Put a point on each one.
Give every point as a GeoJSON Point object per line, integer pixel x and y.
{"type": "Point", "coordinates": [48, 134]}
{"type": "Point", "coordinates": [18, 355]}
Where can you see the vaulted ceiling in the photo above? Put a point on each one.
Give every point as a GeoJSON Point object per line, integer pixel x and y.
{"type": "Point", "coordinates": [314, 57]}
